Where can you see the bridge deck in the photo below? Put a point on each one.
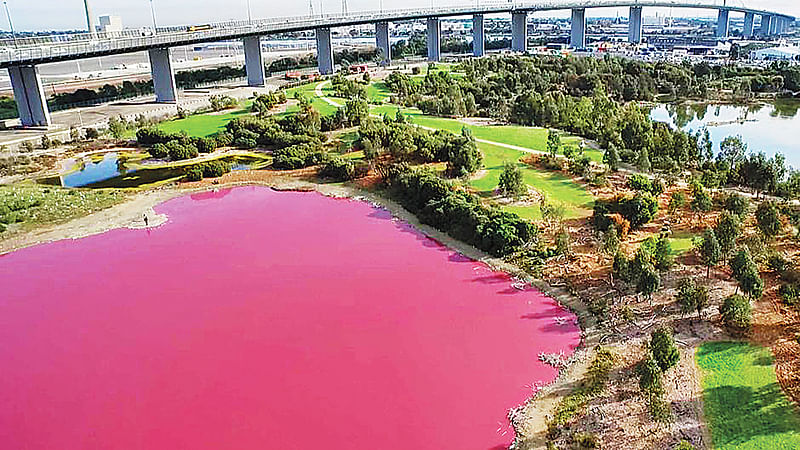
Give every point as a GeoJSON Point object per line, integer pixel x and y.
{"type": "Point", "coordinates": [33, 51]}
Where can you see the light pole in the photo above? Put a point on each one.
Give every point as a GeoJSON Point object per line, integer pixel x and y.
{"type": "Point", "coordinates": [249, 13]}
{"type": "Point", "coordinates": [153, 13]}
{"type": "Point", "coordinates": [10, 25]}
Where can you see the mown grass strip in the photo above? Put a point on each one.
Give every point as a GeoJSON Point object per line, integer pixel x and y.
{"type": "Point", "coordinates": [744, 404]}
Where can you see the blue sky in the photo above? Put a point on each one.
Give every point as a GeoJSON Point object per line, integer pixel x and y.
{"type": "Point", "coordinates": [68, 14]}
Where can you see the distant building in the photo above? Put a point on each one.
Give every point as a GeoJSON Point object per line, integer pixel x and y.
{"type": "Point", "coordinates": [776, 54]}
{"type": "Point", "coordinates": [110, 24]}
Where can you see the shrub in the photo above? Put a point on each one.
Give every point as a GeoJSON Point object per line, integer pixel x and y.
{"type": "Point", "coordinates": [639, 182]}
{"type": "Point", "coordinates": [193, 173]}
{"type": "Point", "coordinates": [205, 145]}
{"type": "Point", "coordinates": [789, 294]}
{"type": "Point", "coordinates": [158, 151]}
{"type": "Point", "coordinates": [150, 136]}
{"type": "Point", "coordinates": [214, 169]}
{"type": "Point", "coordinates": [338, 168]}
{"type": "Point", "coordinates": [639, 210]}
{"type": "Point", "coordinates": [736, 313]}
{"type": "Point", "coordinates": [684, 445]}
{"type": "Point", "coordinates": [179, 151]}
{"type": "Point", "coordinates": [511, 182]}
{"type": "Point", "coordinates": [737, 204]}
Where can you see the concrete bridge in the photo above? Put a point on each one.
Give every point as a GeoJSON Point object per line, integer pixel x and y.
{"type": "Point", "coordinates": [22, 56]}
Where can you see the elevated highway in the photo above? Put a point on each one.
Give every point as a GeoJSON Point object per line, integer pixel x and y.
{"type": "Point", "coordinates": [22, 56]}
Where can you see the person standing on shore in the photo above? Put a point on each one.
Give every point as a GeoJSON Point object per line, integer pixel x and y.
{"type": "Point", "coordinates": [146, 222]}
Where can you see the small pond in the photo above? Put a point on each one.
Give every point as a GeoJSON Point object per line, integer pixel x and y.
{"type": "Point", "coordinates": [113, 170]}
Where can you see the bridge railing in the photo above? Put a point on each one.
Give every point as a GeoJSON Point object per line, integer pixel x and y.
{"type": "Point", "coordinates": [78, 45]}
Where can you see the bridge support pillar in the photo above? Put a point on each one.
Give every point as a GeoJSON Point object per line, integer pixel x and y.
{"type": "Point", "coordinates": [765, 23]}
{"type": "Point", "coordinates": [723, 21]}
{"type": "Point", "coordinates": [749, 19]}
{"type": "Point", "coordinates": [519, 31]}
{"type": "Point", "coordinates": [163, 77]}
{"type": "Point", "coordinates": [29, 94]}
{"type": "Point", "coordinates": [383, 43]}
{"type": "Point", "coordinates": [324, 51]}
{"type": "Point", "coordinates": [253, 61]}
{"type": "Point", "coordinates": [434, 39]}
{"type": "Point", "coordinates": [635, 25]}
{"type": "Point", "coordinates": [578, 35]}
{"type": "Point", "coordinates": [478, 36]}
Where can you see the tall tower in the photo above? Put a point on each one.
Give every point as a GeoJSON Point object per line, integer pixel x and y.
{"type": "Point", "coordinates": [89, 17]}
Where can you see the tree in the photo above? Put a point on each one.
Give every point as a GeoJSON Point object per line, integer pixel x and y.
{"type": "Point", "coordinates": [736, 313]}
{"type": "Point", "coordinates": [751, 283]}
{"type": "Point", "coordinates": [676, 201]}
{"type": "Point", "coordinates": [643, 163]}
{"type": "Point", "coordinates": [691, 296]}
{"type": "Point", "coordinates": [663, 253]}
{"type": "Point", "coordinates": [511, 182]}
{"type": "Point", "coordinates": [733, 150]}
{"type": "Point", "coordinates": [611, 157]}
{"type": "Point", "coordinates": [768, 219]}
{"type": "Point", "coordinates": [663, 348]}
{"type": "Point", "coordinates": [553, 142]}
{"type": "Point", "coordinates": [563, 241]}
{"type": "Point", "coordinates": [610, 245]}
{"type": "Point", "coordinates": [701, 202]}
{"type": "Point", "coordinates": [649, 281]}
{"type": "Point", "coordinates": [710, 252]}
{"type": "Point", "coordinates": [727, 231]}
{"type": "Point", "coordinates": [737, 204]}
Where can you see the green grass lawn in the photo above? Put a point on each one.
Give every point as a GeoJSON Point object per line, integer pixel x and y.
{"type": "Point", "coordinates": [681, 243]}
{"type": "Point", "coordinates": [24, 206]}
{"type": "Point", "coordinates": [558, 188]}
{"type": "Point", "coordinates": [744, 404]}
{"type": "Point", "coordinates": [202, 125]}
{"type": "Point", "coordinates": [378, 92]}
{"type": "Point", "coordinates": [526, 137]}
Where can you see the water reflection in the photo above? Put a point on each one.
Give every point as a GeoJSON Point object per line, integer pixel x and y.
{"type": "Point", "coordinates": [770, 128]}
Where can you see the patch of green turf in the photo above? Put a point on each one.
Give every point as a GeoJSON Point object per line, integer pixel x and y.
{"type": "Point", "coordinates": [532, 138]}
{"type": "Point", "coordinates": [558, 188]}
{"type": "Point", "coordinates": [681, 243]}
{"type": "Point", "coordinates": [24, 206]}
{"type": "Point", "coordinates": [201, 125]}
{"type": "Point", "coordinates": [744, 404]}
{"type": "Point", "coordinates": [378, 92]}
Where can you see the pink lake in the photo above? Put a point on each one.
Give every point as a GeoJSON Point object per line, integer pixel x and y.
{"type": "Point", "coordinates": [256, 319]}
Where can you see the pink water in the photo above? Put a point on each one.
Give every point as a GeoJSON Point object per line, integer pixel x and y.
{"type": "Point", "coordinates": [256, 319]}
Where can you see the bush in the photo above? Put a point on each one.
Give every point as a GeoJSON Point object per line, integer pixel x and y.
{"type": "Point", "coordinates": [338, 168]}
{"type": "Point", "coordinates": [460, 214]}
{"type": "Point", "coordinates": [158, 151]}
{"type": "Point", "coordinates": [639, 210]}
{"type": "Point", "coordinates": [179, 151]}
{"type": "Point", "coordinates": [639, 182]}
{"type": "Point", "coordinates": [193, 173]}
{"type": "Point", "coordinates": [736, 313]}
{"type": "Point", "coordinates": [789, 294]}
{"type": "Point", "coordinates": [150, 136]}
{"type": "Point", "coordinates": [738, 205]}
{"type": "Point", "coordinates": [214, 169]}
{"type": "Point", "coordinates": [684, 445]}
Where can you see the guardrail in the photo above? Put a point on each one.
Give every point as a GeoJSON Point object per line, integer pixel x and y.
{"type": "Point", "coordinates": [76, 46]}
